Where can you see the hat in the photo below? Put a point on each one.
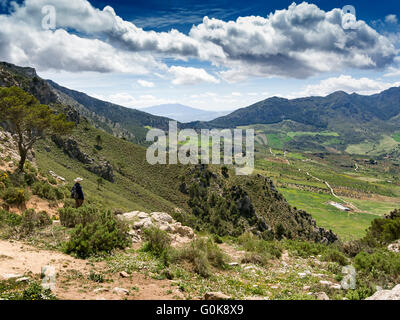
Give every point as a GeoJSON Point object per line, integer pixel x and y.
{"type": "Point", "coordinates": [78, 180]}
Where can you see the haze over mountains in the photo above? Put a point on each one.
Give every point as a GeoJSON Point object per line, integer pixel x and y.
{"type": "Point", "coordinates": [184, 113]}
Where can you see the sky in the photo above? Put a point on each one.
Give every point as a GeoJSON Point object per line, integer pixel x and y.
{"type": "Point", "coordinates": [219, 55]}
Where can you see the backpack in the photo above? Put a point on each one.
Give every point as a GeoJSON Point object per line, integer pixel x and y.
{"type": "Point", "coordinates": [74, 193]}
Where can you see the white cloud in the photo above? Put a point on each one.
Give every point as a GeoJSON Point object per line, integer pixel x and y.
{"type": "Point", "coordinates": [127, 100]}
{"type": "Point", "coordinates": [348, 84]}
{"type": "Point", "coordinates": [297, 42]}
{"type": "Point", "coordinates": [391, 18]}
{"type": "Point", "coordinates": [146, 84]}
{"type": "Point", "coordinates": [190, 75]}
{"type": "Point", "coordinates": [236, 94]}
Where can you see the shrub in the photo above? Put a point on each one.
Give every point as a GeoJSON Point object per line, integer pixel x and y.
{"type": "Point", "coordinates": [46, 191]}
{"type": "Point", "coordinates": [98, 237]}
{"type": "Point", "coordinates": [4, 180]}
{"type": "Point", "coordinates": [381, 265]}
{"type": "Point", "coordinates": [305, 249]}
{"type": "Point", "coordinates": [36, 292]}
{"type": "Point", "coordinates": [383, 231]}
{"type": "Point", "coordinates": [334, 255]}
{"type": "Point", "coordinates": [17, 196]}
{"type": "Point", "coordinates": [96, 277]}
{"type": "Point", "coordinates": [260, 251]}
{"type": "Point", "coordinates": [32, 220]}
{"type": "Point", "coordinates": [9, 218]}
{"type": "Point", "coordinates": [157, 241]}
{"type": "Point", "coordinates": [203, 254]}
{"type": "Point", "coordinates": [71, 217]}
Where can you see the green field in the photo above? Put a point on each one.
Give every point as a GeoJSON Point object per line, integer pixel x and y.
{"type": "Point", "coordinates": [371, 148]}
{"type": "Point", "coordinates": [346, 225]}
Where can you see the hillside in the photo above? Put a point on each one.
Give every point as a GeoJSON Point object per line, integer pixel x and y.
{"type": "Point", "coordinates": [130, 183]}
{"type": "Point", "coordinates": [120, 121]}
{"type": "Point", "coordinates": [344, 122]}
{"type": "Point", "coordinates": [174, 231]}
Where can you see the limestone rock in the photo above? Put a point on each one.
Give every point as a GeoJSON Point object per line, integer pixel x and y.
{"type": "Point", "coordinates": [216, 296]}
{"type": "Point", "coordinates": [121, 291]}
{"type": "Point", "coordinates": [322, 296]}
{"type": "Point", "coordinates": [393, 294]}
{"type": "Point", "coordinates": [394, 247]}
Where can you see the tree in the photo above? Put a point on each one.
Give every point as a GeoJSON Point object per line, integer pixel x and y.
{"type": "Point", "coordinates": [29, 120]}
{"type": "Point", "coordinates": [99, 141]}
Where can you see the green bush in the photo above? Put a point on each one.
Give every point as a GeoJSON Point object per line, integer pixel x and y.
{"type": "Point", "coordinates": [305, 249]}
{"type": "Point", "coordinates": [9, 218]}
{"type": "Point", "coordinates": [157, 241]}
{"type": "Point", "coordinates": [260, 251]}
{"type": "Point", "coordinates": [71, 217]}
{"type": "Point", "coordinates": [98, 237]}
{"type": "Point", "coordinates": [46, 191]}
{"type": "Point", "coordinates": [383, 231]}
{"type": "Point", "coordinates": [32, 220]}
{"type": "Point", "coordinates": [16, 196]}
{"type": "Point", "coordinates": [334, 255]}
{"type": "Point", "coordinates": [202, 254]}
{"type": "Point", "coordinates": [380, 265]}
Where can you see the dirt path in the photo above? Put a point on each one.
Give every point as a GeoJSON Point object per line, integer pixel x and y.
{"type": "Point", "coordinates": [72, 275]}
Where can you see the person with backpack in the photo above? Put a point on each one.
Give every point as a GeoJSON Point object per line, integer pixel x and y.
{"type": "Point", "coordinates": [77, 193]}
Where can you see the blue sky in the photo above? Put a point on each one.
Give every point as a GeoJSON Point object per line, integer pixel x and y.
{"type": "Point", "coordinates": [245, 51]}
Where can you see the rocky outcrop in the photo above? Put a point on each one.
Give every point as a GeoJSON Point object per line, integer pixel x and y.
{"type": "Point", "coordinates": [139, 221]}
{"type": "Point", "coordinates": [216, 296]}
{"type": "Point", "coordinates": [103, 168]}
{"type": "Point", "coordinates": [393, 294]}
{"type": "Point", "coordinates": [71, 148]}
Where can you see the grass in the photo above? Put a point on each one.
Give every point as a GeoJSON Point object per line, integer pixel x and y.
{"type": "Point", "coordinates": [371, 148]}
{"type": "Point", "coordinates": [138, 185]}
{"type": "Point", "coordinates": [347, 225]}
{"type": "Point", "coordinates": [396, 136]}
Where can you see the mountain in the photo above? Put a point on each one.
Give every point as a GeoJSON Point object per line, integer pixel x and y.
{"type": "Point", "coordinates": [206, 198]}
{"type": "Point", "coordinates": [183, 113]}
{"type": "Point", "coordinates": [353, 118]}
{"type": "Point", "coordinates": [120, 121]}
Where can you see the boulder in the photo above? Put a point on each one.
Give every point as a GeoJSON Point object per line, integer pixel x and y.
{"type": "Point", "coordinates": [143, 224]}
{"type": "Point", "coordinates": [322, 296]}
{"type": "Point", "coordinates": [121, 291]}
{"type": "Point", "coordinates": [394, 247]}
{"type": "Point", "coordinates": [162, 217]}
{"type": "Point", "coordinates": [393, 294]}
{"type": "Point", "coordinates": [9, 276]}
{"type": "Point", "coordinates": [129, 216]}
{"type": "Point", "coordinates": [216, 296]}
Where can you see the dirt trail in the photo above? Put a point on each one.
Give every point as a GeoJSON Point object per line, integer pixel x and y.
{"type": "Point", "coordinates": [72, 275]}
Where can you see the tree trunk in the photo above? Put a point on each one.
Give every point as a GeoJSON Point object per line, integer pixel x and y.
{"type": "Point", "coordinates": [23, 154]}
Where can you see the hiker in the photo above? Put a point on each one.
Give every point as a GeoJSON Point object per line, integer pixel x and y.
{"type": "Point", "coordinates": [77, 193]}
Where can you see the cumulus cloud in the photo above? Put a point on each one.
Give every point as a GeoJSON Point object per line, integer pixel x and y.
{"type": "Point", "coordinates": [190, 75]}
{"type": "Point", "coordinates": [391, 18]}
{"type": "Point", "coordinates": [347, 84]}
{"type": "Point", "coordinates": [146, 84]}
{"type": "Point", "coordinates": [297, 42]}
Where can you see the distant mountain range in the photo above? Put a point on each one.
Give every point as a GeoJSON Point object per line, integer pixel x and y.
{"type": "Point", "coordinates": [338, 122]}
{"type": "Point", "coordinates": [354, 118]}
{"type": "Point", "coordinates": [184, 113]}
